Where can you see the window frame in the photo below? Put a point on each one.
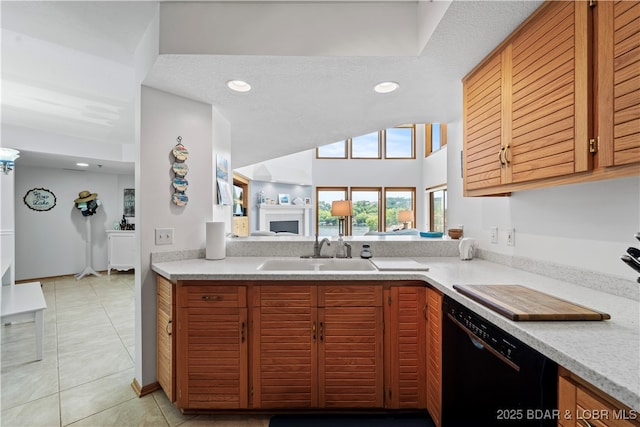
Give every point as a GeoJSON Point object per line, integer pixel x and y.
{"type": "Point", "coordinates": [428, 138]}
{"type": "Point", "coordinates": [346, 151]}
{"type": "Point", "coordinates": [386, 190]}
{"type": "Point", "coordinates": [345, 189]}
{"type": "Point", "coordinates": [350, 147]}
{"type": "Point", "coordinates": [363, 189]}
{"type": "Point", "coordinates": [431, 191]}
{"type": "Point", "coordinates": [413, 142]}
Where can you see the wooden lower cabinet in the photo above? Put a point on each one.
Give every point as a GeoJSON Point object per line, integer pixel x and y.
{"type": "Point", "coordinates": [434, 352]}
{"type": "Point", "coordinates": [284, 338]}
{"type": "Point", "coordinates": [582, 405]}
{"type": "Point", "coordinates": [212, 367]}
{"type": "Point", "coordinates": [165, 367]}
{"type": "Point", "coordinates": [406, 346]}
{"type": "Point", "coordinates": [317, 346]}
{"type": "Point", "coordinates": [231, 345]}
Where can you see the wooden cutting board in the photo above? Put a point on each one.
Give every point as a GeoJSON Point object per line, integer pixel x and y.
{"type": "Point", "coordinates": [518, 302]}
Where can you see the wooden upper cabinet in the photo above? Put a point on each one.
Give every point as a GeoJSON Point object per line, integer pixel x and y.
{"type": "Point", "coordinates": [557, 102]}
{"type": "Point", "coordinates": [549, 133]}
{"type": "Point", "coordinates": [618, 82]}
{"type": "Point", "coordinates": [483, 125]}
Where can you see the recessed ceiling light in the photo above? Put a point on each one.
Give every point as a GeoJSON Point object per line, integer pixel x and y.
{"type": "Point", "coordinates": [83, 165]}
{"type": "Point", "coordinates": [239, 85]}
{"type": "Point", "coordinates": [386, 87]}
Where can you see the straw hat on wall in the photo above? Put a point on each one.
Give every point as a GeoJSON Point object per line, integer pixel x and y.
{"type": "Point", "coordinates": [85, 196]}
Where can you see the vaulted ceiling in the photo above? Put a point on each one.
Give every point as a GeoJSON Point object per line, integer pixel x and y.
{"type": "Point", "coordinates": [69, 69]}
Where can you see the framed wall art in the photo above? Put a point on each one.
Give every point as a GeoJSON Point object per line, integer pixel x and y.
{"type": "Point", "coordinates": [129, 208]}
{"type": "Point", "coordinates": [40, 199]}
{"type": "Point", "coordinates": [283, 199]}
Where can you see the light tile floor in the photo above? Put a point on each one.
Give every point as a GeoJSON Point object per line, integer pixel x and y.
{"type": "Point", "coordinates": [88, 366]}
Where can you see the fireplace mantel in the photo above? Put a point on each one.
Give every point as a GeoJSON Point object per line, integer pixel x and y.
{"type": "Point", "coordinates": [300, 213]}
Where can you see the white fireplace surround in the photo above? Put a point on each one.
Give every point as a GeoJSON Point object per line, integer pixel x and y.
{"type": "Point", "coordinates": [300, 213]}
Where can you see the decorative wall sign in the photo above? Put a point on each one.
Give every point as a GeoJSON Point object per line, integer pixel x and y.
{"type": "Point", "coordinates": [180, 169]}
{"type": "Point", "coordinates": [40, 199]}
{"type": "Point", "coordinates": [129, 209]}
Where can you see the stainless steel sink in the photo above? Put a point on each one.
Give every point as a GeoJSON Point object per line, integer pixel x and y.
{"type": "Point", "coordinates": [317, 264]}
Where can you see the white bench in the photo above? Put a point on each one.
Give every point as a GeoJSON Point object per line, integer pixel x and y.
{"type": "Point", "coordinates": [25, 301]}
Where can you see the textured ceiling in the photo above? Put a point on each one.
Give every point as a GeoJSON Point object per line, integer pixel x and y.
{"type": "Point", "coordinates": [83, 51]}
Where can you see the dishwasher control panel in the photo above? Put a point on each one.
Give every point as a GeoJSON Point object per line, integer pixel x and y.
{"type": "Point", "coordinates": [484, 332]}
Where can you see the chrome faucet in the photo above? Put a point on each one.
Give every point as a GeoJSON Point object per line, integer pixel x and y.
{"type": "Point", "coordinates": [317, 246]}
{"type": "Point", "coordinates": [348, 246]}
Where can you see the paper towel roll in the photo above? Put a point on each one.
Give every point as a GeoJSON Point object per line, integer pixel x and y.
{"type": "Point", "coordinates": [466, 247]}
{"type": "Point", "coordinates": [215, 240]}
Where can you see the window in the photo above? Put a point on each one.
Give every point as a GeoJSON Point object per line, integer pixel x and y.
{"type": "Point", "coordinates": [327, 225]}
{"type": "Point", "coordinates": [435, 137]}
{"type": "Point", "coordinates": [366, 146]}
{"type": "Point", "coordinates": [438, 210]}
{"type": "Point", "coordinates": [400, 142]}
{"type": "Point", "coordinates": [240, 195]}
{"type": "Point", "coordinates": [366, 210]}
{"type": "Point", "coordinates": [395, 200]}
{"type": "Point", "coordinates": [337, 150]}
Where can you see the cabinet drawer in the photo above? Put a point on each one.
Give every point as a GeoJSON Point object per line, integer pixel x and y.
{"type": "Point", "coordinates": [212, 296]}
{"type": "Point", "coordinates": [350, 295]}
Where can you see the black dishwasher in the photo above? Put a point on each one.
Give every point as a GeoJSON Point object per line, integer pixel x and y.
{"type": "Point", "coordinates": [489, 378]}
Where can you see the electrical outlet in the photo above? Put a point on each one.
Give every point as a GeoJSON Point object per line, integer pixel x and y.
{"type": "Point", "coordinates": [164, 236]}
{"type": "Point", "coordinates": [511, 237]}
{"type": "Point", "coordinates": [494, 234]}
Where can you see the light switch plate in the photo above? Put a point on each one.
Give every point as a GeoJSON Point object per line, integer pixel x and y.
{"type": "Point", "coordinates": [164, 236]}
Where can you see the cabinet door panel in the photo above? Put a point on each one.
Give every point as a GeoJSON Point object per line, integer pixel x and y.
{"type": "Point", "coordinates": [434, 362]}
{"type": "Point", "coordinates": [618, 77]}
{"type": "Point", "coordinates": [284, 333]}
{"type": "Point", "coordinates": [214, 372]}
{"type": "Point", "coordinates": [165, 368]}
{"type": "Point", "coordinates": [406, 349]}
{"type": "Point", "coordinates": [483, 125]}
{"type": "Point", "coordinates": [350, 368]}
{"type": "Point", "coordinates": [536, 63]}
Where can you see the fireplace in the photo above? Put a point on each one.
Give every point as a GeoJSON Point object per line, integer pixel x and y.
{"type": "Point", "coordinates": [284, 226]}
{"type": "Point", "coordinates": [280, 218]}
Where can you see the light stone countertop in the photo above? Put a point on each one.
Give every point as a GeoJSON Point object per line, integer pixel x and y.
{"type": "Point", "coordinates": [605, 353]}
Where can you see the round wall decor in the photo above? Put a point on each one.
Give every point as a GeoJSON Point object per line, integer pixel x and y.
{"type": "Point", "coordinates": [40, 199]}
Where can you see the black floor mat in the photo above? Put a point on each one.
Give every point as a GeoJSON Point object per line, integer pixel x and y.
{"type": "Point", "coordinates": [352, 420]}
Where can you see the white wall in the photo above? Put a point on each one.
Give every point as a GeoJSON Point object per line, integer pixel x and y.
{"type": "Point", "coordinates": [376, 173]}
{"type": "Point", "coordinates": [53, 243]}
{"type": "Point", "coordinates": [205, 133]}
{"type": "Point", "coordinates": [587, 225]}
{"type": "Point", "coordinates": [292, 169]}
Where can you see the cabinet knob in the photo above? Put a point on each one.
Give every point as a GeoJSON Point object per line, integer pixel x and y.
{"type": "Point", "coordinates": [212, 297]}
{"type": "Point", "coordinates": [168, 328]}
